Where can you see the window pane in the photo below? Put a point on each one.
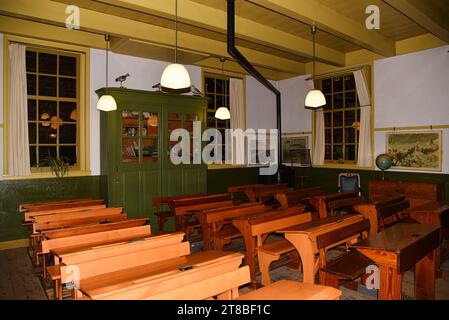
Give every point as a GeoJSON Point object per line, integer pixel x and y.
{"type": "Point", "coordinates": [220, 101]}
{"type": "Point", "coordinates": [32, 110]}
{"type": "Point", "coordinates": [67, 133]}
{"type": "Point", "coordinates": [67, 87]}
{"type": "Point", "coordinates": [47, 133]}
{"type": "Point", "coordinates": [67, 111]}
{"type": "Point", "coordinates": [221, 123]}
{"type": "Point", "coordinates": [350, 100]}
{"type": "Point", "coordinates": [31, 62]}
{"type": "Point", "coordinates": [327, 119]}
{"type": "Point", "coordinates": [219, 86]}
{"type": "Point", "coordinates": [150, 150]}
{"type": "Point", "coordinates": [349, 82]}
{"type": "Point", "coordinates": [350, 135]}
{"type": "Point", "coordinates": [47, 86]}
{"type": "Point", "coordinates": [338, 84]}
{"type": "Point", "coordinates": [338, 119]}
{"type": "Point", "coordinates": [33, 159]}
{"type": "Point", "coordinates": [326, 86]}
{"type": "Point", "coordinates": [328, 105]}
{"type": "Point", "coordinates": [209, 83]}
{"type": "Point", "coordinates": [211, 119]}
{"type": "Point", "coordinates": [32, 134]}
{"type": "Point", "coordinates": [349, 118]}
{"type": "Point", "coordinates": [46, 152]}
{"type": "Point", "coordinates": [338, 101]}
{"type": "Point", "coordinates": [328, 152]}
{"type": "Point", "coordinates": [47, 111]}
{"type": "Point", "coordinates": [150, 124]}
{"type": "Point", "coordinates": [337, 152]}
{"type": "Point", "coordinates": [47, 63]}
{"type": "Point", "coordinates": [328, 136]}
{"type": "Point", "coordinates": [67, 66]}
{"type": "Point", "coordinates": [31, 84]}
{"type": "Point", "coordinates": [350, 153]}
{"type": "Point", "coordinates": [338, 135]}
{"type": "Point", "coordinates": [68, 154]}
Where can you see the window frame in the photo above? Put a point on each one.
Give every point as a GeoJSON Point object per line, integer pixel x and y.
{"type": "Point", "coordinates": [83, 111]}
{"type": "Point", "coordinates": [343, 127]}
{"type": "Point", "coordinates": [224, 75]}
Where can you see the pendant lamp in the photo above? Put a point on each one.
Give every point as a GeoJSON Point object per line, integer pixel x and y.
{"type": "Point", "coordinates": [315, 98]}
{"type": "Point", "coordinates": [175, 77]}
{"type": "Point", "coordinates": [107, 102]}
{"type": "Point", "coordinates": [222, 113]}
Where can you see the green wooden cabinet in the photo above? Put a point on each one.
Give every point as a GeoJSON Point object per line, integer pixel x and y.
{"type": "Point", "coordinates": [135, 148]}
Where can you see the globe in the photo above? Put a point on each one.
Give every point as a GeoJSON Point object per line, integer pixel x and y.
{"type": "Point", "coordinates": [384, 161]}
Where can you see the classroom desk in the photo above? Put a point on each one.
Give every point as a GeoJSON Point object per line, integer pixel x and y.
{"type": "Point", "coordinates": [397, 249]}
{"type": "Point", "coordinates": [436, 214]}
{"type": "Point", "coordinates": [255, 229]}
{"type": "Point", "coordinates": [131, 279]}
{"type": "Point", "coordinates": [303, 237]}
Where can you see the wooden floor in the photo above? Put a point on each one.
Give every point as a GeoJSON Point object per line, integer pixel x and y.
{"type": "Point", "coordinates": [17, 281]}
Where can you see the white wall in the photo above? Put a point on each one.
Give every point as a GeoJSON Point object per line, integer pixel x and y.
{"type": "Point", "coordinates": [144, 73]}
{"type": "Point", "coordinates": [295, 118]}
{"type": "Point", "coordinates": [260, 105]}
{"type": "Point", "coordinates": [412, 90]}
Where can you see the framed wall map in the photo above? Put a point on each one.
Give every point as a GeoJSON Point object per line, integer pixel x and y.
{"type": "Point", "coordinates": [419, 150]}
{"type": "Point", "coordinates": [295, 150]}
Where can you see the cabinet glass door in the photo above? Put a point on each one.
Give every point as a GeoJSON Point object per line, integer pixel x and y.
{"type": "Point", "coordinates": [150, 137]}
{"type": "Point", "coordinates": [130, 137]}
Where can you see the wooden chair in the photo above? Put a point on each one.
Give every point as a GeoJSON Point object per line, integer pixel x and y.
{"type": "Point", "coordinates": [347, 267]}
{"type": "Point", "coordinates": [162, 216]}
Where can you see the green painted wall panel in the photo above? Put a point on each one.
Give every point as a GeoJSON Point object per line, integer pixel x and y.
{"type": "Point", "coordinates": [14, 192]}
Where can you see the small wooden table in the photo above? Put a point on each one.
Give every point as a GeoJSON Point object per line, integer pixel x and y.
{"type": "Point", "coordinates": [255, 229]}
{"type": "Point", "coordinates": [303, 237]}
{"type": "Point", "coordinates": [397, 249]}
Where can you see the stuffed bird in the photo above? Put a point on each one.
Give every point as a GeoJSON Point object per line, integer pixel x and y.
{"type": "Point", "coordinates": [121, 79]}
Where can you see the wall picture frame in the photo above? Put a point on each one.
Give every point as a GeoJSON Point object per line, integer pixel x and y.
{"type": "Point", "coordinates": [416, 150]}
{"type": "Point", "coordinates": [295, 151]}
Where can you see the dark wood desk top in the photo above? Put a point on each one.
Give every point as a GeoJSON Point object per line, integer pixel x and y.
{"type": "Point", "coordinates": [397, 237]}
{"type": "Point", "coordinates": [386, 199]}
{"type": "Point", "coordinates": [318, 223]}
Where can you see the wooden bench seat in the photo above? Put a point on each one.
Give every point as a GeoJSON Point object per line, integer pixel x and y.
{"type": "Point", "coordinates": [350, 266]}
{"type": "Point", "coordinates": [225, 236]}
{"type": "Point", "coordinates": [292, 290]}
{"type": "Point", "coordinates": [270, 252]}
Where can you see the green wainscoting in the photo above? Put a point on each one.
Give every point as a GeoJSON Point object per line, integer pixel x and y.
{"type": "Point", "coordinates": [14, 192]}
{"type": "Point", "coordinates": [219, 180]}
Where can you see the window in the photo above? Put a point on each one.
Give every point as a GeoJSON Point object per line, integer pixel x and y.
{"type": "Point", "coordinates": [53, 82]}
{"type": "Point", "coordinates": [341, 119]}
{"type": "Point", "coordinates": [217, 92]}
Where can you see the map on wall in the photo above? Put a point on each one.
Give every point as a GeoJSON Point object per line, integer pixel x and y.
{"type": "Point", "coordinates": [415, 150]}
{"type": "Point", "coordinates": [295, 151]}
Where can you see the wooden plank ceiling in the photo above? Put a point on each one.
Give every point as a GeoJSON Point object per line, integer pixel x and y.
{"type": "Point", "coordinates": [273, 34]}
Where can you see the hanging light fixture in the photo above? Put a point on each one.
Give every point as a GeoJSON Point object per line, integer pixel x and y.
{"type": "Point", "coordinates": [175, 77]}
{"type": "Point", "coordinates": [107, 102]}
{"type": "Point", "coordinates": [315, 98]}
{"type": "Point", "coordinates": [222, 113]}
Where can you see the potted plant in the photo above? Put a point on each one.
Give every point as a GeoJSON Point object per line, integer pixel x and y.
{"type": "Point", "coordinates": [60, 167]}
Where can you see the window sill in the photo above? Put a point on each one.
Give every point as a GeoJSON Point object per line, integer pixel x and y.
{"type": "Point", "coordinates": [343, 166]}
{"type": "Point", "coordinates": [47, 175]}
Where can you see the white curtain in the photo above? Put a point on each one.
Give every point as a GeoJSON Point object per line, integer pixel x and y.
{"type": "Point", "coordinates": [319, 147]}
{"type": "Point", "coordinates": [19, 154]}
{"type": "Point", "coordinates": [365, 155]}
{"type": "Point", "coordinates": [236, 98]}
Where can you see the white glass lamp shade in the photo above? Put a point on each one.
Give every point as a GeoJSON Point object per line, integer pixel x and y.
{"type": "Point", "coordinates": [222, 113]}
{"type": "Point", "coordinates": [106, 103]}
{"type": "Point", "coordinates": [175, 77]}
{"type": "Point", "coordinates": [315, 99]}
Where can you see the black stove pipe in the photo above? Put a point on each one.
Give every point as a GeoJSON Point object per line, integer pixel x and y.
{"type": "Point", "coordinates": [235, 53]}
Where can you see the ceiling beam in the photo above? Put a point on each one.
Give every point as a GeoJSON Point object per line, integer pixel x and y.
{"type": "Point", "coordinates": [209, 18]}
{"type": "Point", "coordinates": [425, 14]}
{"type": "Point", "coordinates": [333, 22]}
{"type": "Point", "coordinates": [97, 22]}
